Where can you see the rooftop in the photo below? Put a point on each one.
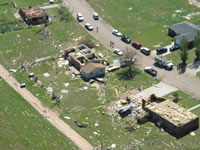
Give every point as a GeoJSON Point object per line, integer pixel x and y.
{"type": "Point", "coordinates": [91, 66]}
{"type": "Point", "coordinates": [172, 112]}
{"type": "Point", "coordinates": [33, 12]}
{"type": "Point", "coordinates": [186, 29]}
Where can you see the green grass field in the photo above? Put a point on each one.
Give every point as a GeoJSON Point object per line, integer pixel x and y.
{"type": "Point", "coordinates": [27, 3]}
{"type": "Point", "coordinates": [145, 21]}
{"type": "Point", "coordinates": [6, 12]}
{"type": "Point", "coordinates": [22, 127]}
{"type": "Point", "coordinates": [198, 74]}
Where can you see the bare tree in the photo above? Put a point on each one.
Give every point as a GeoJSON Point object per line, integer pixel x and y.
{"type": "Point", "coordinates": [129, 57]}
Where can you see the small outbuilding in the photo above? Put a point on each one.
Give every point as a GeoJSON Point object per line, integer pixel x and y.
{"type": "Point", "coordinates": [33, 15]}
{"type": "Point", "coordinates": [92, 70]}
{"type": "Point", "coordinates": [183, 29]}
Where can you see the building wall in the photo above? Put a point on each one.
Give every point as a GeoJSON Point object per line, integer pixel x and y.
{"type": "Point", "coordinates": [95, 73]}
{"type": "Point", "coordinates": [171, 128]}
{"type": "Point", "coordinates": [171, 33]}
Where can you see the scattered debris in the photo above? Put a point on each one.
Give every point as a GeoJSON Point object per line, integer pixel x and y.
{"type": "Point", "coordinates": [66, 84]}
{"type": "Point", "coordinates": [113, 145]}
{"type": "Point", "coordinates": [46, 74]}
{"type": "Point", "coordinates": [80, 125]}
{"type": "Point", "coordinates": [42, 59]}
{"type": "Point", "coordinates": [96, 124]}
{"type": "Point", "coordinates": [130, 8]}
{"type": "Point", "coordinates": [64, 92]}
{"type": "Point", "coordinates": [31, 75]}
{"type": "Point", "coordinates": [192, 134]}
{"type": "Point", "coordinates": [66, 117]}
{"type": "Point", "coordinates": [50, 90]}
{"type": "Point", "coordinates": [95, 133]}
{"type": "Point", "coordinates": [13, 70]}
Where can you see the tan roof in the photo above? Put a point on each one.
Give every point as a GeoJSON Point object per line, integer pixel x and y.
{"type": "Point", "coordinates": [34, 12]}
{"type": "Point", "coordinates": [172, 112]}
{"type": "Point", "coordinates": [91, 66]}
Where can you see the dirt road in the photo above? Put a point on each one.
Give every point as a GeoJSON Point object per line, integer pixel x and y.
{"type": "Point", "coordinates": [194, 2]}
{"type": "Point", "coordinates": [190, 85]}
{"type": "Point", "coordinates": [50, 115]}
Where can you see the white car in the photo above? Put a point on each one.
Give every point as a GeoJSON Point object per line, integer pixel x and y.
{"type": "Point", "coordinates": [96, 16]}
{"type": "Point", "coordinates": [118, 52]}
{"type": "Point", "coordinates": [80, 18]}
{"type": "Point", "coordinates": [89, 26]}
{"type": "Point", "coordinates": [116, 33]}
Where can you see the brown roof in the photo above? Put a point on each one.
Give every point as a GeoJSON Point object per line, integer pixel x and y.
{"type": "Point", "coordinates": [33, 12]}
{"type": "Point", "coordinates": [91, 66]}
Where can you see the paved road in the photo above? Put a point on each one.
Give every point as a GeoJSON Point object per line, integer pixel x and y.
{"type": "Point", "coordinates": [50, 115]}
{"type": "Point", "coordinates": [190, 85]}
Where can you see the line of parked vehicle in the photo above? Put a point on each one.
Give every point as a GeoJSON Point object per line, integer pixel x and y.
{"type": "Point", "coordinates": [88, 26]}
{"type": "Point", "coordinates": [159, 60]}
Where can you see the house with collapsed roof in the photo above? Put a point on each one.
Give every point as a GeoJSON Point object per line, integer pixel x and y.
{"type": "Point", "coordinates": [183, 29]}
{"type": "Point", "coordinates": [173, 118]}
{"type": "Point", "coordinates": [86, 61]}
{"type": "Point", "coordinates": [92, 70]}
{"type": "Point", "coordinates": [33, 15]}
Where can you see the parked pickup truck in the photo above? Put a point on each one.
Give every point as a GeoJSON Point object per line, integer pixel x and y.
{"type": "Point", "coordinates": [163, 62]}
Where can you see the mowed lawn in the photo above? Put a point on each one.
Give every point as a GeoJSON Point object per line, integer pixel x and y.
{"type": "Point", "coordinates": [145, 21]}
{"type": "Point", "coordinates": [27, 3]}
{"type": "Point", "coordinates": [6, 12]}
{"type": "Point", "coordinates": [22, 127]}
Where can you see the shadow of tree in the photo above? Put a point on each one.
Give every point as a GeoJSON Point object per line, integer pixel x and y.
{"type": "Point", "coordinates": [128, 74]}
{"type": "Point", "coordinates": [182, 68]}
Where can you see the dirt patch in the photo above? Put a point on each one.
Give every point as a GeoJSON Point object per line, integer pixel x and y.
{"type": "Point", "coordinates": [195, 3]}
{"type": "Point", "coordinates": [78, 109]}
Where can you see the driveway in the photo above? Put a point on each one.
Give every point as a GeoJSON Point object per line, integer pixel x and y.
{"type": "Point", "coordinates": [190, 85]}
{"type": "Point", "coordinates": [161, 89]}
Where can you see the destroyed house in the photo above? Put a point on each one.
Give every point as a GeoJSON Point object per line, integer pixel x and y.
{"type": "Point", "coordinates": [33, 15]}
{"type": "Point", "coordinates": [183, 29]}
{"type": "Point", "coordinates": [174, 119]}
{"type": "Point", "coordinates": [82, 55]}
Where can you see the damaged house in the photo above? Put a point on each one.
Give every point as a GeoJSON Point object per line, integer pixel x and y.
{"type": "Point", "coordinates": [173, 118]}
{"type": "Point", "coordinates": [86, 61]}
{"type": "Point", "coordinates": [33, 15]}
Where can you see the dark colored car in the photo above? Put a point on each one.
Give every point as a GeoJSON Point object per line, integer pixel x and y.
{"type": "Point", "coordinates": [137, 45]}
{"type": "Point", "coordinates": [161, 50]}
{"type": "Point", "coordinates": [150, 71]}
{"type": "Point", "coordinates": [126, 39]}
{"type": "Point", "coordinates": [174, 47]}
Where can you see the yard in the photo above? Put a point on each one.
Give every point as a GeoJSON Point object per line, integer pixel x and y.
{"type": "Point", "coordinates": [176, 59]}
{"type": "Point", "coordinates": [84, 103]}
{"type": "Point", "coordinates": [6, 11]}
{"type": "Point", "coordinates": [145, 21]}
{"type": "Point", "coordinates": [27, 3]}
{"type": "Point", "coordinates": [198, 74]}
{"type": "Point", "coordinates": [22, 127]}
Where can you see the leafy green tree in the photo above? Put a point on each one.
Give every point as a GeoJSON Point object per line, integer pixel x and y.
{"type": "Point", "coordinates": [184, 50]}
{"type": "Point", "coordinates": [64, 14]}
{"type": "Point", "coordinates": [197, 45]}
